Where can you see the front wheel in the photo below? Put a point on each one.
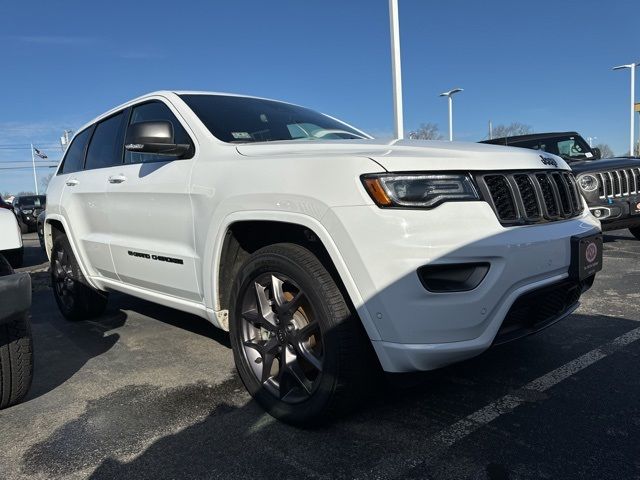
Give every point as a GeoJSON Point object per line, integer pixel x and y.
{"type": "Point", "coordinates": [76, 299]}
{"type": "Point", "coordinates": [299, 349]}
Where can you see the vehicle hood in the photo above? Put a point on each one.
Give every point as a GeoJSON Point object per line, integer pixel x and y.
{"type": "Point", "coordinates": [603, 164]}
{"type": "Point", "coordinates": [410, 155]}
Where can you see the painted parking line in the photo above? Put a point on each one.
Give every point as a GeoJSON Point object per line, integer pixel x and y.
{"type": "Point", "coordinates": [425, 453]}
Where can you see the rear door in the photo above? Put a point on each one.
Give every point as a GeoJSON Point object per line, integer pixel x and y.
{"type": "Point", "coordinates": [151, 218]}
{"type": "Point", "coordinates": [84, 198]}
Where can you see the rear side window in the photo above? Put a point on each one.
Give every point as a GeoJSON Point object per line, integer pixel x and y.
{"type": "Point", "coordinates": [158, 111]}
{"type": "Point", "coordinates": [105, 149]}
{"type": "Point", "coordinates": [74, 158]}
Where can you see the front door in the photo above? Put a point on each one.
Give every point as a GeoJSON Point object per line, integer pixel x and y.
{"type": "Point", "coordinates": [152, 234]}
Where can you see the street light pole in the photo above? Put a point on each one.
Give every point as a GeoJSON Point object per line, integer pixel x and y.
{"type": "Point", "coordinates": [449, 96]}
{"type": "Point", "coordinates": [632, 67]}
{"type": "Point", "coordinates": [396, 69]}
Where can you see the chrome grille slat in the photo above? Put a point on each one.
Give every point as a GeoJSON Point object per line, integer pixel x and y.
{"type": "Point", "coordinates": [618, 183]}
{"type": "Point", "coordinates": [522, 198]}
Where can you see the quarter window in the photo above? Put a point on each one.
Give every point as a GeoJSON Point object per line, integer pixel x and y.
{"type": "Point", "coordinates": [153, 112]}
{"type": "Point", "coordinates": [105, 149]}
{"type": "Point", "coordinates": [74, 158]}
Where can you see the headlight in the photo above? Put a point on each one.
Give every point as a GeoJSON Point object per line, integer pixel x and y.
{"type": "Point", "coordinates": [27, 211]}
{"type": "Point", "coordinates": [588, 183]}
{"type": "Point", "coordinates": [419, 190]}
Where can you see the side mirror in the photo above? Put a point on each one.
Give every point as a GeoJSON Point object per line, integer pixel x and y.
{"type": "Point", "coordinates": [597, 154]}
{"type": "Point", "coordinates": [153, 137]}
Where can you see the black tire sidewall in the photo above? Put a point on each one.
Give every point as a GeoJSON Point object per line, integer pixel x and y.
{"type": "Point", "coordinates": [88, 303]}
{"type": "Point", "coordinates": [271, 262]}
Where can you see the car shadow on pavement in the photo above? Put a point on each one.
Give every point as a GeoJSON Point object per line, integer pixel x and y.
{"type": "Point", "coordinates": [70, 345]}
{"type": "Point", "coordinates": [33, 256]}
{"type": "Point", "coordinates": [217, 431]}
{"type": "Point", "coordinates": [169, 316]}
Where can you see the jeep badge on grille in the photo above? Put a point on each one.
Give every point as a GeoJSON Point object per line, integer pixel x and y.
{"type": "Point", "coordinates": [548, 161]}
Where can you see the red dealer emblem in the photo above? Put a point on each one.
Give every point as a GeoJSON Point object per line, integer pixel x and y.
{"type": "Point", "coordinates": [591, 252]}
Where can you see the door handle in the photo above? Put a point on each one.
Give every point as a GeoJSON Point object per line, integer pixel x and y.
{"type": "Point", "coordinates": [117, 178]}
{"type": "Point", "coordinates": [72, 182]}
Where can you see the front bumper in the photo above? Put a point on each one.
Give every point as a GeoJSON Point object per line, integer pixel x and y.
{"type": "Point", "coordinates": [615, 214]}
{"type": "Point", "coordinates": [29, 220]}
{"type": "Point", "coordinates": [420, 330]}
{"type": "Point", "coordinates": [15, 292]}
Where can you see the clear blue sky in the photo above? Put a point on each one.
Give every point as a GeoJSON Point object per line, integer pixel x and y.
{"type": "Point", "coordinates": [544, 63]}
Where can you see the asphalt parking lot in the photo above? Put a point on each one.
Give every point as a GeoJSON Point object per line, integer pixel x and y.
{"type": "Point", "coordinates": [149, 392]}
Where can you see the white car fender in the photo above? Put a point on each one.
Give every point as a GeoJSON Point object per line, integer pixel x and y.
{"type": "Point", "coordinates": [70, 237]}
{"type": "Point", "coordinates": [213, 255]}
{"type": "Point", "coordinates": [10, 236]}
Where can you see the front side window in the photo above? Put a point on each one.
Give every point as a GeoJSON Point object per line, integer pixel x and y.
{"type": "Point", "coordinates": [242, 120]}
{"type": "Point", "coordinates": [33, 201]}
{"type": "Point", "coordinates": [74, 158]}
{"type": "Point", "coordinates": [152, 112]}
{"type": "Point", "coordinates": [105, 149]}
{"type": "Point", "coordinates": [569, 148]}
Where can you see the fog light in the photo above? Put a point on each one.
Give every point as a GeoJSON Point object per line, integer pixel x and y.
{"type": "Point", "coordinates": [453, 277]}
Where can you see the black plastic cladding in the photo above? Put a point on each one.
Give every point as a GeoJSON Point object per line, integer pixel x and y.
{"type": "Point", "coordinates": [524, 198]}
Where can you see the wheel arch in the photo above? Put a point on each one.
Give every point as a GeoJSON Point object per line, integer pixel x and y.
{"type": "Point", "coordinates": [55, 225]}
{"type": "Point", "coordinates": [225, 256]}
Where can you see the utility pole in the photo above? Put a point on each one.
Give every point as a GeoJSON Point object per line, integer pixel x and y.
{"type": "Point", "coordinates": [490, 130]}
{"type": "Point", "coordinates": [396, 69]}
{"type": "Point", "coordinates": [33, 163]}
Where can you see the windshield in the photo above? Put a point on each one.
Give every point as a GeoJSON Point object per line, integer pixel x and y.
{"type": "Point", "coordinates": [569, 148]}
{"type": "Point", "coordinates": [243, 120]}
{"type": "Point", "coordinates": [36, 201]}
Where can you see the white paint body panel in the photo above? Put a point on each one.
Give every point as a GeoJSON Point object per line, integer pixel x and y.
{"type": "Point", "coordinates": [10, 236]}
{"type": "Point", "coordinates": [183, 209]}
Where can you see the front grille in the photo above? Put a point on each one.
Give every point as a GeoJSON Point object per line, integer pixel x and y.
{"type": "Point", "coordinates": [618, 183]}
{"type": "Point", "coordinates": [531, 197]}
{"type": "Point", "coordinates": [540, 308]}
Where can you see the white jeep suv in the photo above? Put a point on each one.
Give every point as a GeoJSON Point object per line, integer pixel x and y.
{"type": "Point", "coordinates": [324, 252]}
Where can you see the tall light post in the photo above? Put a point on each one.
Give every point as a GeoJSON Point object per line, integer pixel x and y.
{"type": "Point", "coordinates": [396, 69]}
{"type": "Point", "coordinates": [632, 67]}
{"type": "Point", "coordinates": [449, 96]}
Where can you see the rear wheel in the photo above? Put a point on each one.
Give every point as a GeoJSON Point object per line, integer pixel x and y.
{"type": "Point", "coordinates": [635, 231]}
{"type": "Point", "coordinates": [75, 298]}
{"type": "Point", "coordinates": [300, 351]}
{"type": "Point", "coordinates": [16, 354]}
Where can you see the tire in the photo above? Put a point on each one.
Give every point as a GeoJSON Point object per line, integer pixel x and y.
{"type": "Point", "coordinates": [324, 346]}
{"type": "Point", "coordinates": [635, 231]}
{"type": "Point", "coordinates": [16, 360]}
{"type": "Point", "coordinates": [15, 257]}
{"type": "Point", "coordinates": [75, 298]}
{"type": "Point", "coordinates": [16, 353]}
{"type": "Point", "coordinates": [23, 228]}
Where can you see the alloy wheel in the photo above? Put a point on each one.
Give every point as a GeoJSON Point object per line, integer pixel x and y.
{"type": "Point", "coordinates": [281, 337]}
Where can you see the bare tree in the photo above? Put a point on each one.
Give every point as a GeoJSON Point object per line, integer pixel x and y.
{"type": "Point", "coordinates": [605, 150]}
{"type": "Point", "coordinates": [427, 131]}
{"type": "Point", "coordinates": [514, 128]}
